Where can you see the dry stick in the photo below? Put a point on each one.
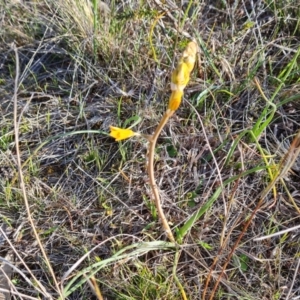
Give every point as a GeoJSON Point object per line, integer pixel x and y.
{"type": "Point", "coordinates": [42, 289]}
{"type": "Point", "coordinates": [216, 259]}
{"type": "Point", "coordinates": [296, 274]}
{"type": "Point", "coordinates": [285, 165]}
{"type": "Point", "coordinates": [152, 143]}
{"type": "Point", "coordinates": [95, 287]}
{"type": "Point", "coordinates": [22, 184]}
{"type": "Point", "coordinates": [223, 245]}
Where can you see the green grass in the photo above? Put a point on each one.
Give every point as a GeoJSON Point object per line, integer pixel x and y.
{"type": "Point", "coordinates": [89, 196]}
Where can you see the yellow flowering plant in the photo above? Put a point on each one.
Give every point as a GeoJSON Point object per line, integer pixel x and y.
{"type": "Point", "coordinates": [179, 79]}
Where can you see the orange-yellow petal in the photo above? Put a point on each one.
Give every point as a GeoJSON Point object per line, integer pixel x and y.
{"type": "Point", "coordinates": [175, 100]}
{"type": "Point", "coordinates": [120, 134]}
{"type": "Point", "coordinates": [189, 55]}
{"type": "Point", "coordinates": [180, 77]}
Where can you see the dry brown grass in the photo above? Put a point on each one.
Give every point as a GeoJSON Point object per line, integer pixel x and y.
{"type": "Point", "coordinates": [85, 190]}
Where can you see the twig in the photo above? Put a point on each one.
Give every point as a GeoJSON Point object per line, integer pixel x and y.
{"type": "Point", "coordinates": [296, 274]}
{"type": "Point", "coordinates": [22, 184]}
{"type": "Point", "coordinates": [276, 233]}
{"type": "Point", "coordinates": [285, 165]}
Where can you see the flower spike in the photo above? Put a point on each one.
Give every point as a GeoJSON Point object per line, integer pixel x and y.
{"type": "Point", "coordinates": [181, 75]}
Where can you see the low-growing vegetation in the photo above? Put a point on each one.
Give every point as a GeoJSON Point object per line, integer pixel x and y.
{"type": "Point", "coordinates": [79, 219]}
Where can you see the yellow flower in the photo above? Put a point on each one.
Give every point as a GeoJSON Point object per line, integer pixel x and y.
{"type": "Point", "coordinates": [175, 100]}
{"type": "Point", "coordinates": [189, 55]}
{"type": "Point", "coordinates": [121, 134]}
{"type": "Point", "coordinates": [180, 77]}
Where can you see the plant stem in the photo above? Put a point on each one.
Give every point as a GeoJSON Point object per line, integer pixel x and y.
{"type": "Point", "coordinates": [152, 144]}
{"type": "Point", "coordinates": [165, 224]}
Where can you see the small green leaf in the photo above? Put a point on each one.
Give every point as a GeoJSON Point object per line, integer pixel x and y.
{"type": "Point", "coordinates": [172, 151]}
{"type": "Point", "coordinates": [135, 119]}
{"type": "Point", "coordinates": [244, 259]}
{"type": "Point", "coordinates": [191, 203]}
{"type": "Point", "coordinates": [249, 25]}
{"type": "Point", "coordinates": [205, 245]}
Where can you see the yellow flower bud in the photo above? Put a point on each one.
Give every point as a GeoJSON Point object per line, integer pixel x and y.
{"type": "Point", "coordinates": [189, 55]}
{"type": "Point", "coordinates": [175, 100]}
{"type": "Point", "coordinates": [121, 134]}
{"type": "Point", "coordinates": [180, 77]}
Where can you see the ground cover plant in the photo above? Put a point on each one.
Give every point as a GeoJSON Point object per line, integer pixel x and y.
{"type": "Point", "coordinates": [78, 216]}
